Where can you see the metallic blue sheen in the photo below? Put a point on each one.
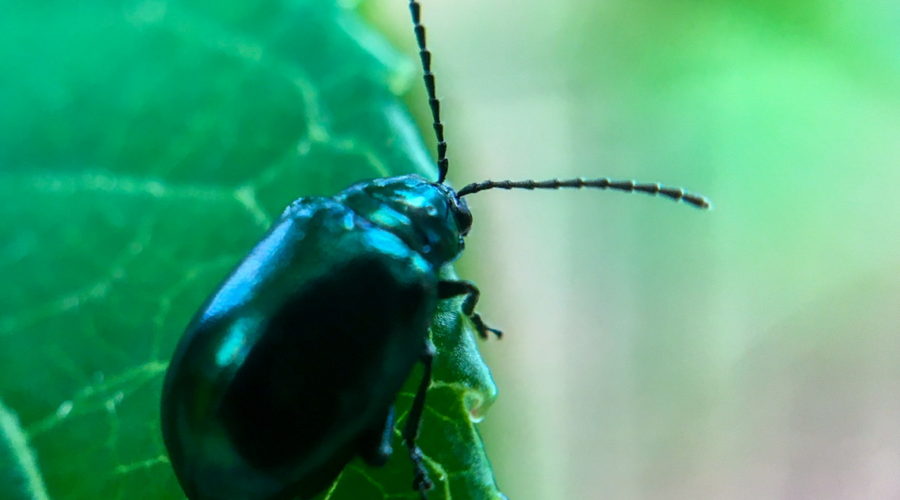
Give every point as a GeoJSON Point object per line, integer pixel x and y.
{"type": "Point", "coordinates": [291, 368]}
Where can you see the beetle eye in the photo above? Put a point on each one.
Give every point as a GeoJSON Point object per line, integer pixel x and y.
{"type": "Point", "coordinates": [463, 217]}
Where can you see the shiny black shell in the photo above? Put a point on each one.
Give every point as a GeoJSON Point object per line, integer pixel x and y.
{"type": "Point", "coordinates": [293, 364]}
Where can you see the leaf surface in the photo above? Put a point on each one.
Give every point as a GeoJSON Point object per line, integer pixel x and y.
{"type": "Point", "coordinates": [145, 146]}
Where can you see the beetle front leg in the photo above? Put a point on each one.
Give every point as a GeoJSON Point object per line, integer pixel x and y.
{"type": "Point", "coordinates": [448, 289]}
{"type": "Point", "coordinates": [421, 483]}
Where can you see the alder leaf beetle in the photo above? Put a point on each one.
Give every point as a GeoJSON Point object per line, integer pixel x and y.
{"type": "Point", "coordinates": [291, 368]}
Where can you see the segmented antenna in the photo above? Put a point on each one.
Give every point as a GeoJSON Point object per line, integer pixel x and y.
{"type": "Point", "coordinates": [443, 164]}
{"type": "Point", "coordinates": [654, 188]}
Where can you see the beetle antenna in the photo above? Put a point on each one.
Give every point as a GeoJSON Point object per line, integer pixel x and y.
{"type": "Point", "coordinates": [442, 163]}
{"type": "Point", "coordinates": [653, 188]}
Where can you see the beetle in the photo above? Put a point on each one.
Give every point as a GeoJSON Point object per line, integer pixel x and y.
{"type": "Point", "coordinates": [291, 367]}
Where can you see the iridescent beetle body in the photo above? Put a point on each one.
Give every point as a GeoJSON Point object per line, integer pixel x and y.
{"type": "Point", "coordinates": [292, 367]}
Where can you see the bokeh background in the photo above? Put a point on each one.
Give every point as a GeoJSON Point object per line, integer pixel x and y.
{"type": "Point", "coordinates": [652, 350]}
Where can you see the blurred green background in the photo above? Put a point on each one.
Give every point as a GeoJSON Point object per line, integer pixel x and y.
{"type": "Point", "coordinates": [654, 351]}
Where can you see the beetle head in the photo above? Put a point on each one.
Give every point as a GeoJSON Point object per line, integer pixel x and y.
{"type": "Point", "coordinates": [429, 217]}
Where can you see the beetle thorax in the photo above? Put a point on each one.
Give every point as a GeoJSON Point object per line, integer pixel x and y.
{"type": "Point", "coordinates": [426, 216]}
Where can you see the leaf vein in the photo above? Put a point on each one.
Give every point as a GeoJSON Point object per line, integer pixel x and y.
{"type": "Point", "coordinates": [109, 392]}
{"type": "Point", "coordinates": [17, 439]}
{"type": "Point", "coordinates": [73, 300]}
{"type": "Point", "coordinates": [252, 53]}
{"type": "Point", "coordinates": [141, 465]}
{"type": "Point", "coordinates": [100, 181]}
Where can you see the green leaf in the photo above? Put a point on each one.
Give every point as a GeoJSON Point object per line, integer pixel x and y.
{"type": "Point", "coordinates": [145, 146]}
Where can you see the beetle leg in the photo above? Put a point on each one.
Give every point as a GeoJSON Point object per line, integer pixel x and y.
{"type": "Point", "coordinates": [448, 289]}
{"type": "Point", "coordinates": [421, 483]}
{"type": "Point", "coordinates": [375, 443]}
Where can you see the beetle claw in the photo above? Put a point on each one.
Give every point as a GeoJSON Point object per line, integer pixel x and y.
{"type": "Point", "coordinates": [482, 328]}
{"type": "Point", "coordinates": [422, 483]}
